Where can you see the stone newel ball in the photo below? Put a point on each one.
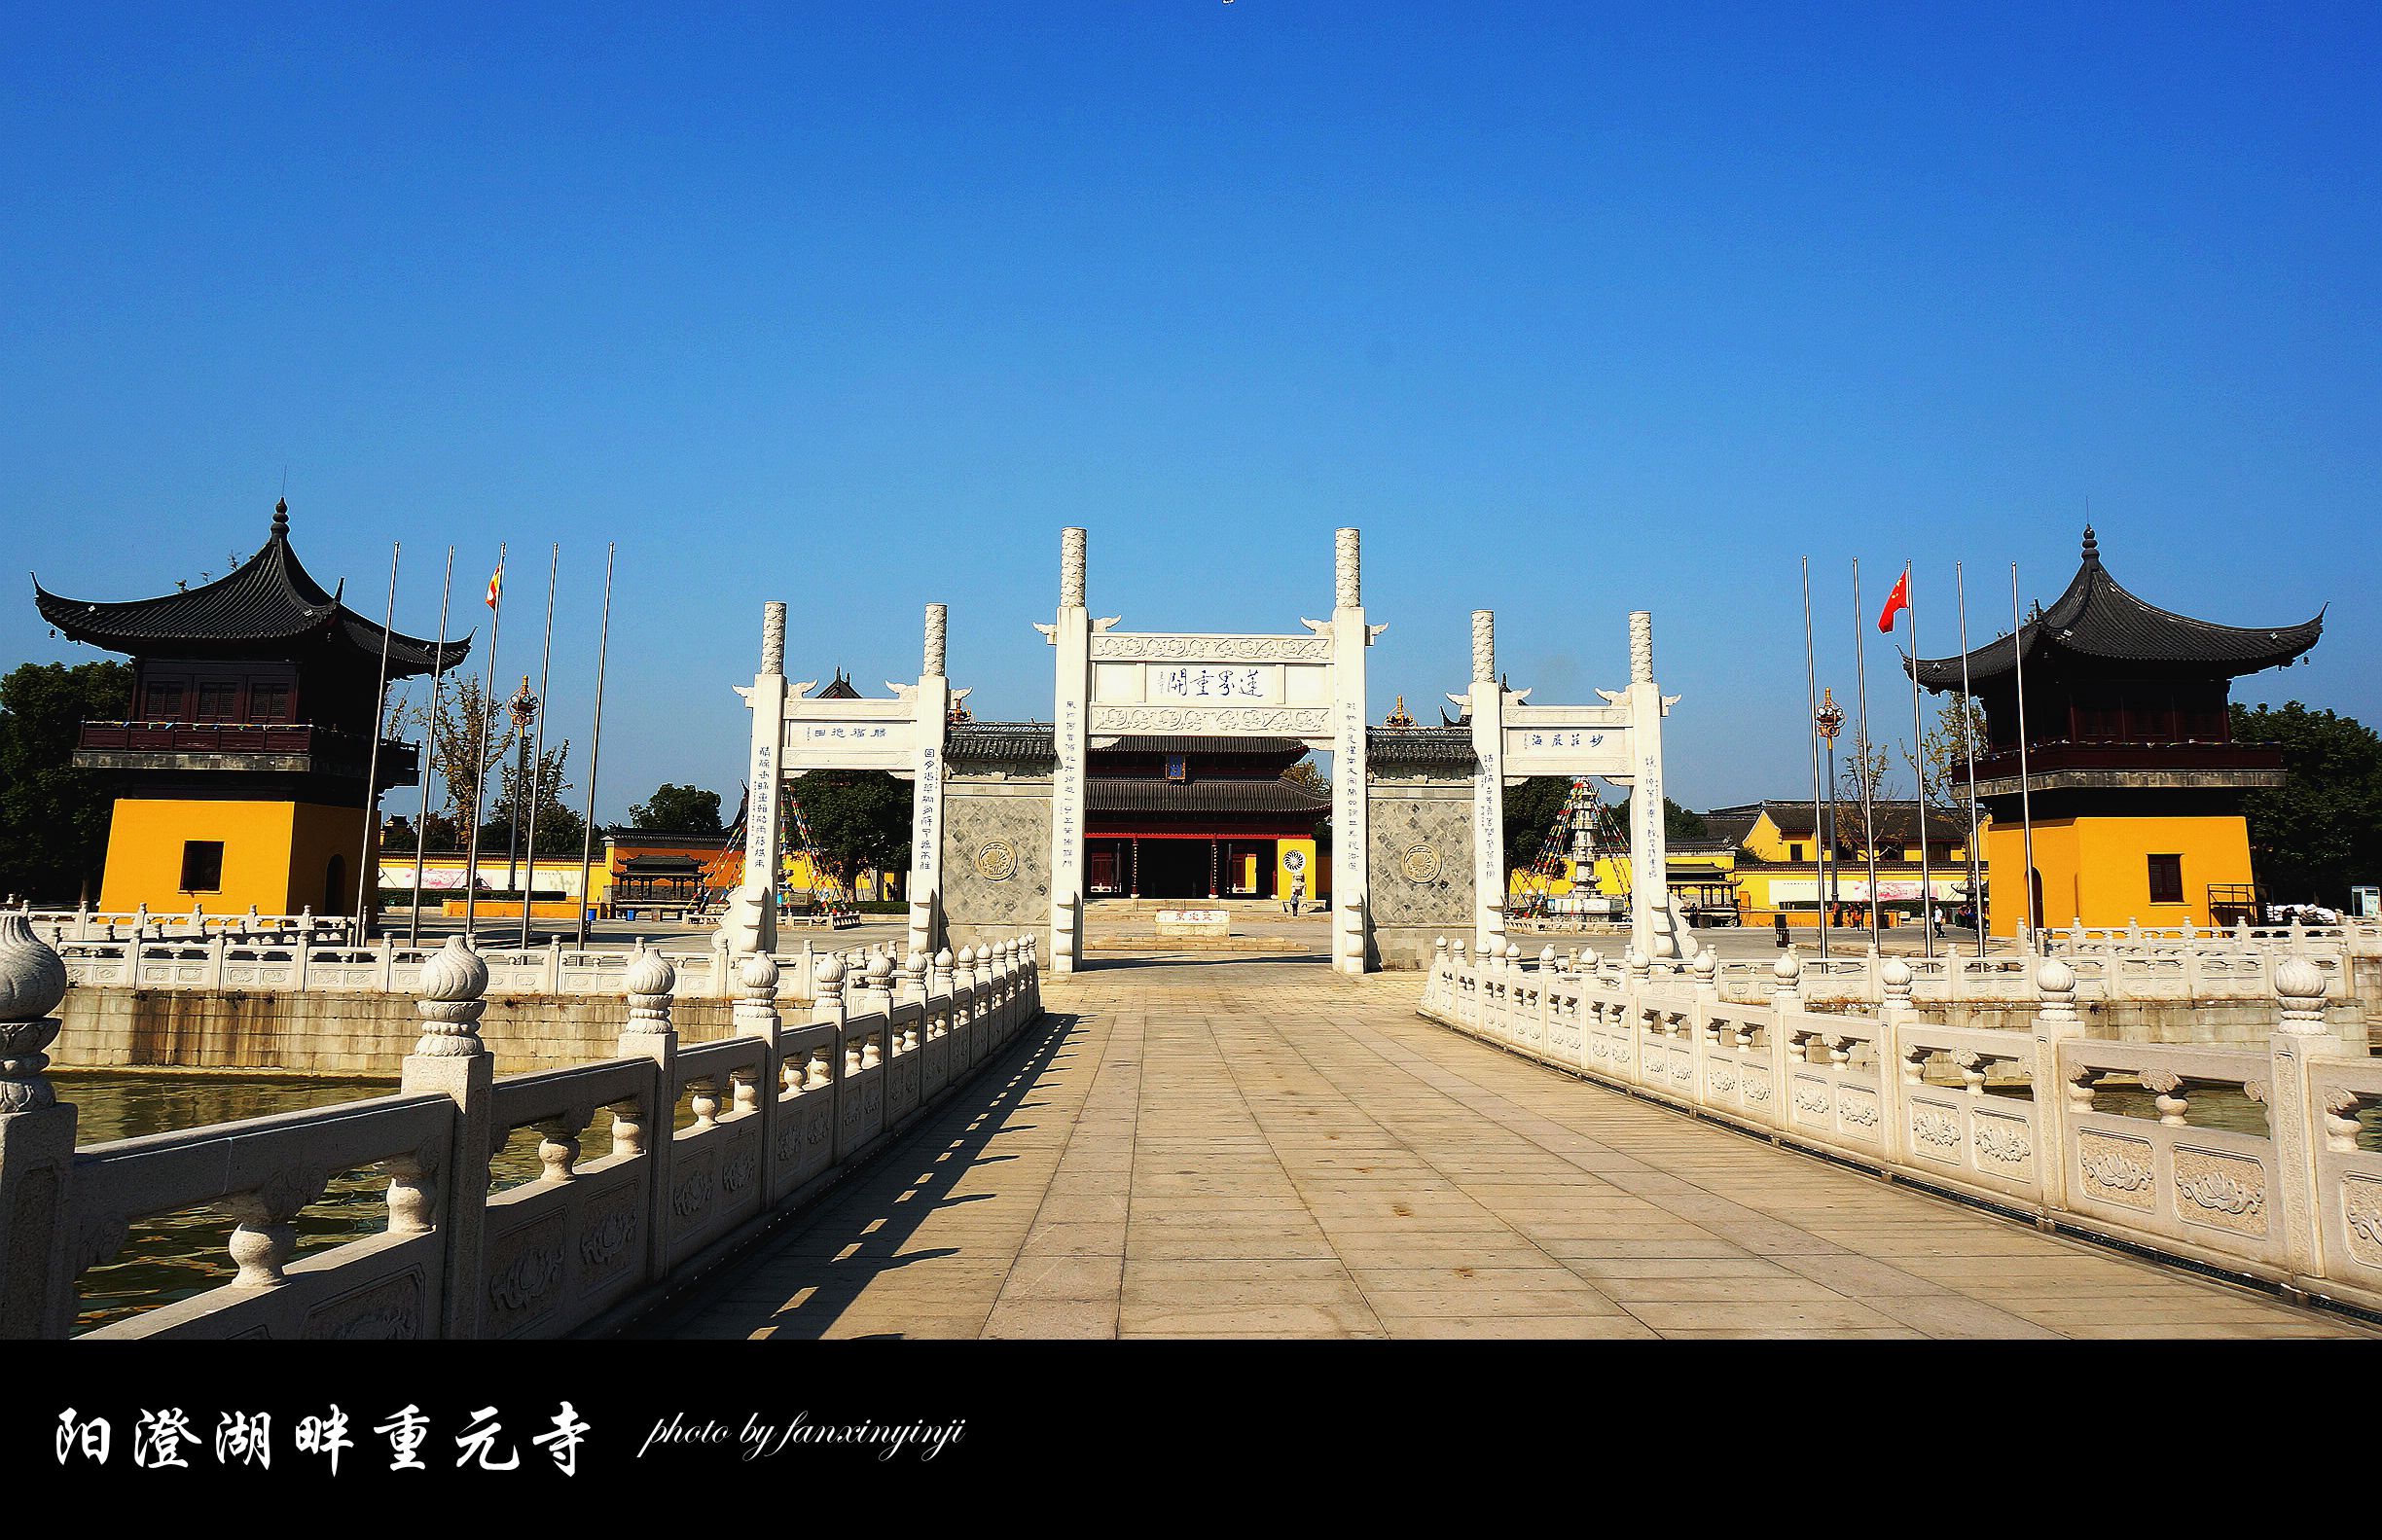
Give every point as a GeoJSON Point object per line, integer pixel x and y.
{"type": "Point", "coordinates": [455, 972]}
{"type": "Point", "coordinates": [831, 968]}
{"type": "Point", "coordinates": [2054, 977]}
{"type": "Point", "coordinates": [1895, 973]}
{"type": "Point", "coordinates": [943, 959]}
{"type": "Point", "coordinates": [1787, 966]}
{"type": "Point", "coordinates": [2294, 976]}
{"type": "Point", "coordinates": [32, 976]}
{"type": "Point", "coordinates": [650, 973]}
{"type": "Point", "coordinates": [758, 972]}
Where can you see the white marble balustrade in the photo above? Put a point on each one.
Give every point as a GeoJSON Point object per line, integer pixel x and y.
{"type": "Point", "coordinates": [2006, 1117]}
{"type": "Point", "coordinates": [776, 1110]}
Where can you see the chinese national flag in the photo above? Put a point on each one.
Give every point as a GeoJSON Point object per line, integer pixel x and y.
{"type": "Point", "coordinates": [495, 585]}
{"type": "Point", "coordinates": [1895, 602]}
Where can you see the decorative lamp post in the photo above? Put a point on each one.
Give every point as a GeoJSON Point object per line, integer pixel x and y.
{"type": "Point", "coordinates": [1829, 720]}
{"type": "Point", "coordinates": [524, 708]}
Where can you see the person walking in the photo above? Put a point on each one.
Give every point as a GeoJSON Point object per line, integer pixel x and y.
{"type": "Point", "coordinates": [1298, 892]}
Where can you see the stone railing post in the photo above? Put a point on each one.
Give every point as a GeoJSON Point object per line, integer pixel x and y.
{"type": "Point", "coordinates": [755, 1016]}
{"type": "Point", "coordinates": [827, 1007]}
{"type": "Point", "coordinates": [216, 945]}
{"type": "Point", "coordinates": [449, 1060]}
{"type": "Point", "coordinates": [913, 979]}
{"type": "Point", "coordinates": [37, 1142]}
{"type": "Point", "coordinates": [650, 1034]}
{"type": "Point", "coordinates": [554, 967]}
{"type": "Point", "coordinates": [2055, 1100]}
{"type": "Point", "coordinates": [2300, 1039]}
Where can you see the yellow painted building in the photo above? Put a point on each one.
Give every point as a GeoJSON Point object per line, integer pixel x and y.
{"type": "Point", "coordinates": [247, 769]}
{"type": "Point", "coordinates": [1757, 860]}
{"type": "Point", "coordinates": [2131, 779]}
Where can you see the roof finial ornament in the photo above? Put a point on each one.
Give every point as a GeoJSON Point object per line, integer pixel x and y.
{"type": "Point", "coordinates": [2092, 547]}
{"type": "Point", "coordinates": [280, 529]}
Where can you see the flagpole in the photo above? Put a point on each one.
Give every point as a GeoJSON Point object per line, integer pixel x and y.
{"type": "Point", "coordinates": [372, 762]}
{"type": "Point", "coordinates": [587, 840]}
{"type": "Point", "coordinates": [2025, 803]}
{"type": "Point", "coordinates": [422, 829]}
{"type": "Point", "coordinates": [1811, 692]}
{"type": "Point", "coordinates": [1976, 896]}
{"type": "Point", "coordinates": [1926, 879]}
{"type": "Point", "coordinates": [1861, 745]}
{"type": "Point", "coordinates": [537, 755]}
{"type": "Point", "coordinates": [480, 749]}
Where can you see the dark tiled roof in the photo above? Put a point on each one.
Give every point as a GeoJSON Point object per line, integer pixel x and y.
{"type": "Point", "coordinates": [1898, 821]}
{"type": "Point", "coordinates": [839, 688]}
{"type": "Point", "coordinates": [1440, 745]}
{"type": "Point", "coordinates": [1150, 793]}
{"type": "Point", "coordinates": [270, 597]}
{"type": "Point", "coordinates": [2097, 619]}
{"type": "Point", "coordinates": [997, 740]}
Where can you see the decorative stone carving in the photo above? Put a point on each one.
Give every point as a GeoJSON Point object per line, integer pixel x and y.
{"type": "Point", "coordinates": [2116, 1170]}
{"type": "Point", "coordinates": [1641, 647]}
{"type": "Point", "coordinates": [2362, 1216]}
{"type": "Point", "coordinates": [1346, 591]}
{"type": "Point", "coordinates": [1420, 863]}
{"type": "Point", "coordinates": [1277, 721]}
{"type": "Point", "coordinates": [1934, 1127]}
{"type": "Point", "coordinates": [2001, 1139]}
{"type": "Point", "coordinates": [32, 983]}
{"type": "Point", "coordinates": [773, 637]}
{"type": "Point", "coordinates": [996, 860]}
{"type": "Point", "coordinates": [1144, 646]}
{"type": "Point", "coordinates": [2222, 1190]}
{"type": "Point", "coordinates": [1484, 646]}
{"type": "Point", "coordinates": [1071, 568]}
{"type": "Point", "coordinates": [937, 616]}
{"type": "Point", "coordinates": [452, 982]}
{"type": "Point", "coordinates": [2299, 984]}
{"type": "Point", "coordinates": [650, 980]}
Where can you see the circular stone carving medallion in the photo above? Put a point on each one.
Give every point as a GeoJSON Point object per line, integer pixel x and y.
{"type": "Point", "coordinates": [996, 860]}
{"type": "Point", "coordinates": [1421, 864]}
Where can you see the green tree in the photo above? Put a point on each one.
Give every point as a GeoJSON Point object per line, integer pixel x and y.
{"type": "Point", "coordinates": [859, 820]}
{"type": "Point", "coordinates": [678, 809]}
{"type": "Point", "coordinates": [1531, 812]}
{"type": "Point", "coordinates": [559, 828]}
{"type": "Point", "coordinates": [1679, 823]}
{"type": "Point", "coordinates": [54, 818]}
{"type": "Point", "coordinates": [2321, 831]}
{"type": "Point", "coordinates": [457, 733]}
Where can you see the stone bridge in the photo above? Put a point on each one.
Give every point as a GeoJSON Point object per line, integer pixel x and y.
{"type": "Point", "coordinates": [1169, 1146]}
{"type": "Point", "coordinates": [1257, 1148]}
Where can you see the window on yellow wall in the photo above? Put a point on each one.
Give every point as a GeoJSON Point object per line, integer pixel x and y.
{"type": "Point", "coordinates": [1794, 853]}
{"type": "Point", "coordinates": [2166, 879]}
{"type": "Point", "coordinates": [202, 866]}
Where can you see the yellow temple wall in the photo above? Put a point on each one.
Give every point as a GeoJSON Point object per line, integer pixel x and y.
{"type": "Point", "coordinates": [2096, 872]}
{"type": "Point", "coordinates": [274, 854]}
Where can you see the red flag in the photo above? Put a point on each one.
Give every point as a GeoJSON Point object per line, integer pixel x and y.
{"type": "Point", "coordinates": [1895, 602]}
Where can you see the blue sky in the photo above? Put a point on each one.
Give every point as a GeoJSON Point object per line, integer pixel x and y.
{"type": "Point", "coordinates": [1574, 310]}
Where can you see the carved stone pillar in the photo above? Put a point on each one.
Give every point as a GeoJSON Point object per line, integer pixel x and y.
{"type": "Point", "coordinates": [449, 1060]}
{"type": "Point", "coordinates": [37, 1142]}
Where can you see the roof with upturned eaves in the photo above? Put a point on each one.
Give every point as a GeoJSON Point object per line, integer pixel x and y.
{"type": "Point", "coordinates": [2098, 618]}
{"type": "Point", "coordinates": [270, 597]}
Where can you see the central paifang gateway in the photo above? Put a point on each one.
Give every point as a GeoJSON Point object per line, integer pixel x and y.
{"type": "Point", "coordinates": [1200, 817]}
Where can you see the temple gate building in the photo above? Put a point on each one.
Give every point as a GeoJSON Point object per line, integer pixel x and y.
{"type": "Point", "coordinates": [241, 772]}
{"type": "Point", "coordinates": [2133, 779]}
{"type": "Point", "coordinates": [1183, 817]}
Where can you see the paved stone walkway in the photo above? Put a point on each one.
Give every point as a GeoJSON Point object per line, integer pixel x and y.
{"type": "Point", "coordinates": [1252, 1148]}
